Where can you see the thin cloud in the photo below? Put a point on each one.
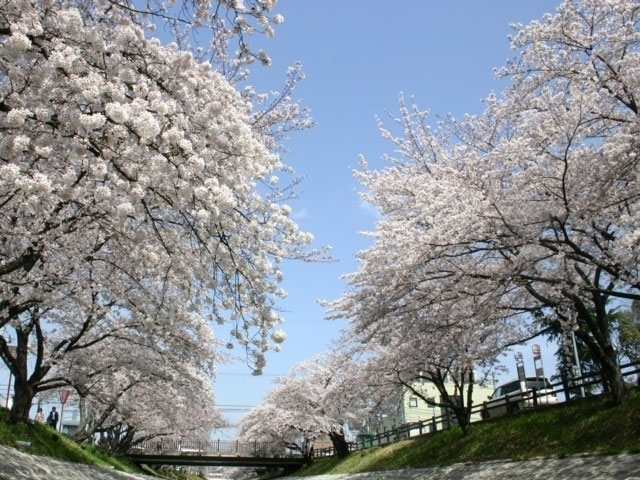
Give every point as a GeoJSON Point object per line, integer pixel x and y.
{"type": "Point", "coordinates": [304, 213]}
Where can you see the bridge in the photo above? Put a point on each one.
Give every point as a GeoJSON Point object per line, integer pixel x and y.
{"type": "Point", "coordinates": [214, 453]}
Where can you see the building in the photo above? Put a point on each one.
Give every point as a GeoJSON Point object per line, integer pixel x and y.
{"type": "Point", "coordinates": [6, 402]}
{"type": "Point", "coordinates": [70, 420]}
{"type": "Point", "coordinates": [410, 408]}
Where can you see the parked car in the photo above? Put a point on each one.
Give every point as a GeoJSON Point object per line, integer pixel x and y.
{"type": "Point", "coordinates": [509, 398]}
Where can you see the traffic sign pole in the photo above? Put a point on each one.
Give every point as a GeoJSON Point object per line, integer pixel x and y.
{"type": "Point", "coordinates": [64, 396]}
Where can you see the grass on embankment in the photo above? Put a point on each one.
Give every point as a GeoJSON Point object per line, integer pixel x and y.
{"type": "Point", "coordinates": [49, 443]}
{"type": "Point", "coordinates": [588, 426]}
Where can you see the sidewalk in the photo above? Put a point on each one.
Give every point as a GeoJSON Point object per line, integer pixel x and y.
{"type": "Point", "coordinates": [614, 467]}
{"type": "Point", "coordinates": [17, 465]}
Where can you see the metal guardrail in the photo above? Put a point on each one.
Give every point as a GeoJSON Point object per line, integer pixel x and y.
{"type": "Point", "coordinates": [216, 460]}
{"type": "Point", "coordinates": [525, 401]}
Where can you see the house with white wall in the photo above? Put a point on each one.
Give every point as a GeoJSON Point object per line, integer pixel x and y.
{"type": "Point", "coordinates": [411, 408]}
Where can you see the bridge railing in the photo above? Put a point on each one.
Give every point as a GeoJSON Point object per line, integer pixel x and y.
{"type": "Point", "coordinates": [168, 446]}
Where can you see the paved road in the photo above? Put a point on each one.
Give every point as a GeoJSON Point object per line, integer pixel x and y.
{"type": "Point", "coordinates": [16, 465]}
{"type": "Point", "coordinates": [615, 467]}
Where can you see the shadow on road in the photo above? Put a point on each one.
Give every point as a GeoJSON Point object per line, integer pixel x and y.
{"type": "Point", "coordinates": [16, 465]}
{"type": "Point", "coordinates": [615, 467]}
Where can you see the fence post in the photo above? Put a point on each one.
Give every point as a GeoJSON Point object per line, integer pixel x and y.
{"type": "Point", "coordinates": [434, 427]}
{"type": "Point", "coordinates": [420, 427]}
{"type": "Point", "coordinates": [218, 446]}
{"type": "Point", "coordinates": [535, 398]}
{"type": "Point", "coordinates": [508, 404]}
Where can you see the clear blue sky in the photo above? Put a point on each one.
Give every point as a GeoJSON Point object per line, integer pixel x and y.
{"type": "Point", "coordinates": [357, 56]}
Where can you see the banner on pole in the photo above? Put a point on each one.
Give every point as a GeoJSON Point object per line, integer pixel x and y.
{"type": "Point", "coordinates": [536, 351]}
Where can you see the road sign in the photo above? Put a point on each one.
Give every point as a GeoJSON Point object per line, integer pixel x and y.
{"type": "Point", "coordinates": [64, 396]}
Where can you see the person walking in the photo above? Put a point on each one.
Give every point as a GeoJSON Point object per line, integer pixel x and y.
{"type": "Point", "coordinates": [40, 416]}
{"type": "Point", "coordinates": [52, 419]}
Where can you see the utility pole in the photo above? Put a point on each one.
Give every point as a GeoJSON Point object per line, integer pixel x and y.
{"type": "Point", "coordinates": [577, 360]}
{"type": "Point", "coordinates": [6, 403]}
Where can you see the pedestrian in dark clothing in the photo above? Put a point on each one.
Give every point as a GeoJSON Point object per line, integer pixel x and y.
{"type": "Point", "coordinates": [52, 419]}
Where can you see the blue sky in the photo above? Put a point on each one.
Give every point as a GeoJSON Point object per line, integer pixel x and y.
{"type": "Point", "coordinates": [357, 56]}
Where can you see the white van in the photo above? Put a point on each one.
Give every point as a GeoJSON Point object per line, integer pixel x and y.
{"type": "Point", "coordinates": [517, 400]}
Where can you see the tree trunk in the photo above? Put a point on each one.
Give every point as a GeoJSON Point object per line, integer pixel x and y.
{"type": "Point", "coordinates": [26, 386]}
{"type": "Point", "coordinates": [24, 389]}
{"type": "Point", "coordinates": [96, 424]}
{"type": "Point", "coordinates": [339, 443]}
{"type": "Point", "coordinates": [610, 372]}
{"type": "Point", "coordinates": [125, 441]}
{"type": "Point", "coordinates": [22, 401]}
{"type": "Point", "coordinates": [83, 424]}
{"type": "Point", "coordinates": [595, 332]}
{"type": "Point", "coordinates": [465, 424]}
{"type": "Point", "coordinates": [463, 416]}
{"type": "Point", "coordinates": [613, 374]}
{"type": "Point", "coordinates": [308, 455]}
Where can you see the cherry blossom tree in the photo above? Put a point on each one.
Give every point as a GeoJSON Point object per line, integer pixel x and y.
{"type": "Point", "coordinates": [532, 204]}
{"type": "Point", "coordinates": [172, 407]}
{"type": "Point", "coordinates": [318, 397]}
{"type": "Point", "coordinates": [267, 423]}
{"type": "Point", "coordinates": [573, 104]}
{"type": "Point", "coordinates": [451, 341]}
{"type": "Point", "coordinates": [131, 390]}
{"type": "Point", "coordinates": [137, 186]}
